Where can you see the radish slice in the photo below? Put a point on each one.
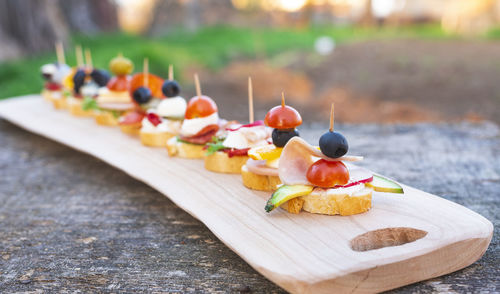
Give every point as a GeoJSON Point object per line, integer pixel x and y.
{"type": "Point", "coordinates": [357, 175]}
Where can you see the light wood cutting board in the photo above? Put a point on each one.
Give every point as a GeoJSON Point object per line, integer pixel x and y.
{"type": "Point", "coordinates": [302, 253]}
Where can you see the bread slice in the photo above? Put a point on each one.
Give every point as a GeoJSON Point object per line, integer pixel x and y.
{"type": "Point", "coordinates": [46, 95]}
{"type": "Point", "coordinates": [220, 162]}
{"type": "Point", "coordinates": [332, 204]}
{"type": "Point", "coordinates": [155, 139]}
{"type": "Point", "coordinates": [259, 182]}
{"type": "Point", "coordinates": [184, 150]}
{"type": "Point", "coordinates": [60, 103]}
{"type": "Point", "coordinates": [75, 108]}
{"type": "Point", "coordinates": [106, 118]}
{"type": "Point", "coordinates": [131, 129]}
{"type": "Point", "coordinates": [295, 205]}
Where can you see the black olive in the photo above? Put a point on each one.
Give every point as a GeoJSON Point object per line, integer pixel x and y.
{"type": "Point", "coordinates": [142, 95]}
{"type": "Point", "coordinates": [282, 136]}
{"type": "Point", "coordinates": [333, 144]}
{"type": "Point", "coordinates": [100, 77]}
{"type": "Point", "coordinates": [78, 80]}
{"type": "Point", "coordinates": [171, 88]}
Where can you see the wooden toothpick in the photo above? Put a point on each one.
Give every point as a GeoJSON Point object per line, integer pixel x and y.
{"type": "Point", "coordinates": [283, 99]}
{"type": "Point", "coordinates": [60, 53]}
{"type": "Point", "coordinates": [79, 56]}
{"type": "Point", "coordinates": [250, 100]}
{"type": "Point", "coordinates": [197, 84]}
{"type": "Point", "coordinates": [88, 58]}
{"type": "Point", "coordinates": [331, 117]}
{"type": "Point", "coordinates": [171, 72]}
{"type": "Point", "coordinates": [145, 69]}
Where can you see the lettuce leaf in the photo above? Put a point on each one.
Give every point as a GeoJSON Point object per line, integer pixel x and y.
{"type": "Point", "coordinates": [215, 145]}
{"type": "Point", "coordinates": [89, 104]}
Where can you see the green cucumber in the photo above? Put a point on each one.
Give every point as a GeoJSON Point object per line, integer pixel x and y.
{"type": "Point", "coordinates": [285, 193]}
{"type": "Point", "coordinates": [381, 184]}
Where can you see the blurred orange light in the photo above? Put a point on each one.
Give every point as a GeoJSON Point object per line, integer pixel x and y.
{"type": "Point", "coordinates": [291, 5]}
{"type": "Point", "coordinates": [240, 4]}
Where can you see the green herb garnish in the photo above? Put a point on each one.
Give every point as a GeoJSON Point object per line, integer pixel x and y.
{"type": "Point", "coordinates": [89, 104]}
{"type": "Point", "coordinates": [215, 145]}
{"type": "Point", "coordinates": [66, 93]}
{"type": "Point", "coordinates": [116, 113]}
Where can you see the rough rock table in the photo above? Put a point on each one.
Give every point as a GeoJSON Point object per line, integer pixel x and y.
{"type": "Point", "coordinates": [69, 222]}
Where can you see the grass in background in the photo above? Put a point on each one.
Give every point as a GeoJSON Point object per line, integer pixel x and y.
{"type": "Point", "coordinates": [211, 47]}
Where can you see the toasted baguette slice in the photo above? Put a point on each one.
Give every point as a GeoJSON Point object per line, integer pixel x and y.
{"type": "Point", "coordinates": [220, 162]}
{"type": "Point", "coordinates": [106, 118]}
{"type": "Point", "coordinates": [75, 108]}
{"type": "Point", "coordinates": [46, 95]}
{"type": "Point", "coordinates": [259, 182]}
{"type": "Point", "coordinates": [184, 150]}
{"type": "Point", "coordinates": [332, 204]}
{"type": "Point", "coordinates": [60, 103]}
{"type": "Point", "coordinates": [155, 139]}
{"type": "Point", "coordinates": [131, 129]}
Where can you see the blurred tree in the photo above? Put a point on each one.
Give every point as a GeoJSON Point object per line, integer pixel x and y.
{"type": "Point", "coordinates": [31, 26]}
{"type": "Point", "coordinates": [367, 18]}
{"type": "Point", "coordinates": [192, 14]}
{"type": "Point", "coordinates": [90, 16]}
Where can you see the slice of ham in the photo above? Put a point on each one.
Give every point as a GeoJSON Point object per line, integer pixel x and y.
{"type": "Point", "coordinates": [131, 118]}
{"type": "Point", "coordinates": [298, 156]}
{"type": "Point", "coordinates": [207, 129]}
{"type": "Point", "coordinates": [203, 136]}
{"type": "Point", "coordinates": [259, 167]}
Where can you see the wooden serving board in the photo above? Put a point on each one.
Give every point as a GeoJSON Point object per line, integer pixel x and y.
{"type": "Point", "coordinates": [302, 253]}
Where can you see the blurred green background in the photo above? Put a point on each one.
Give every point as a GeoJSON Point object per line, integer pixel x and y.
{"type": "Point", "coordinates": [381, 61]}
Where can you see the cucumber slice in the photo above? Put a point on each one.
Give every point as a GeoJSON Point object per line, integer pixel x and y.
{"type": "Point", "coordinates": [285, 193]}
{"type": "Point", "coordinates": [381, 184]}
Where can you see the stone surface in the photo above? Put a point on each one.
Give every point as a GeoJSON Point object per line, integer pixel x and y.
{"type": "Point", "coordinates": [69, 222]}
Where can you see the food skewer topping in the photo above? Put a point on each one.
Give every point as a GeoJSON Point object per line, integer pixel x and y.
{"type": "Point", "coordinates": [284, 119]}
{"type": "Point", "coordinates": [143, 94]}
{"type": "Point", "coordinates": [174, 107]}
{"type": "Point", "coordinates": [88, 80]}
{"type": "Point", "coordinates": [201, 117]}
{"type": "Point", "coordinates": [54, 73]}
{"type": "Point", "coordinates": [170, 87]}
{"type": "Point", "coordinates": [333, 144]}
{"type": "Point", "coordinates": [121, 66]}
{"type": "Point", "coordinates": [328, 174]}
{"type": "Point", "coordinates": [253, 134]}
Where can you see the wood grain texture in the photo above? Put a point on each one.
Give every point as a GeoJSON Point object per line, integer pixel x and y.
{"type": "Point", "coordinates": [301, 253]}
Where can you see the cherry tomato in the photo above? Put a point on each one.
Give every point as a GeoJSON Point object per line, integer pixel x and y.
{"type": "Point", "coordinates": [200, 106]}
{"type": "Point", "coordinates": [283, 117]}
{"type": "Point", "coordinates": [327, 174]}
{"type": "Point", "coordinates": [154, 84]}
{"type": "Point", "coordinates": [119, 83]}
